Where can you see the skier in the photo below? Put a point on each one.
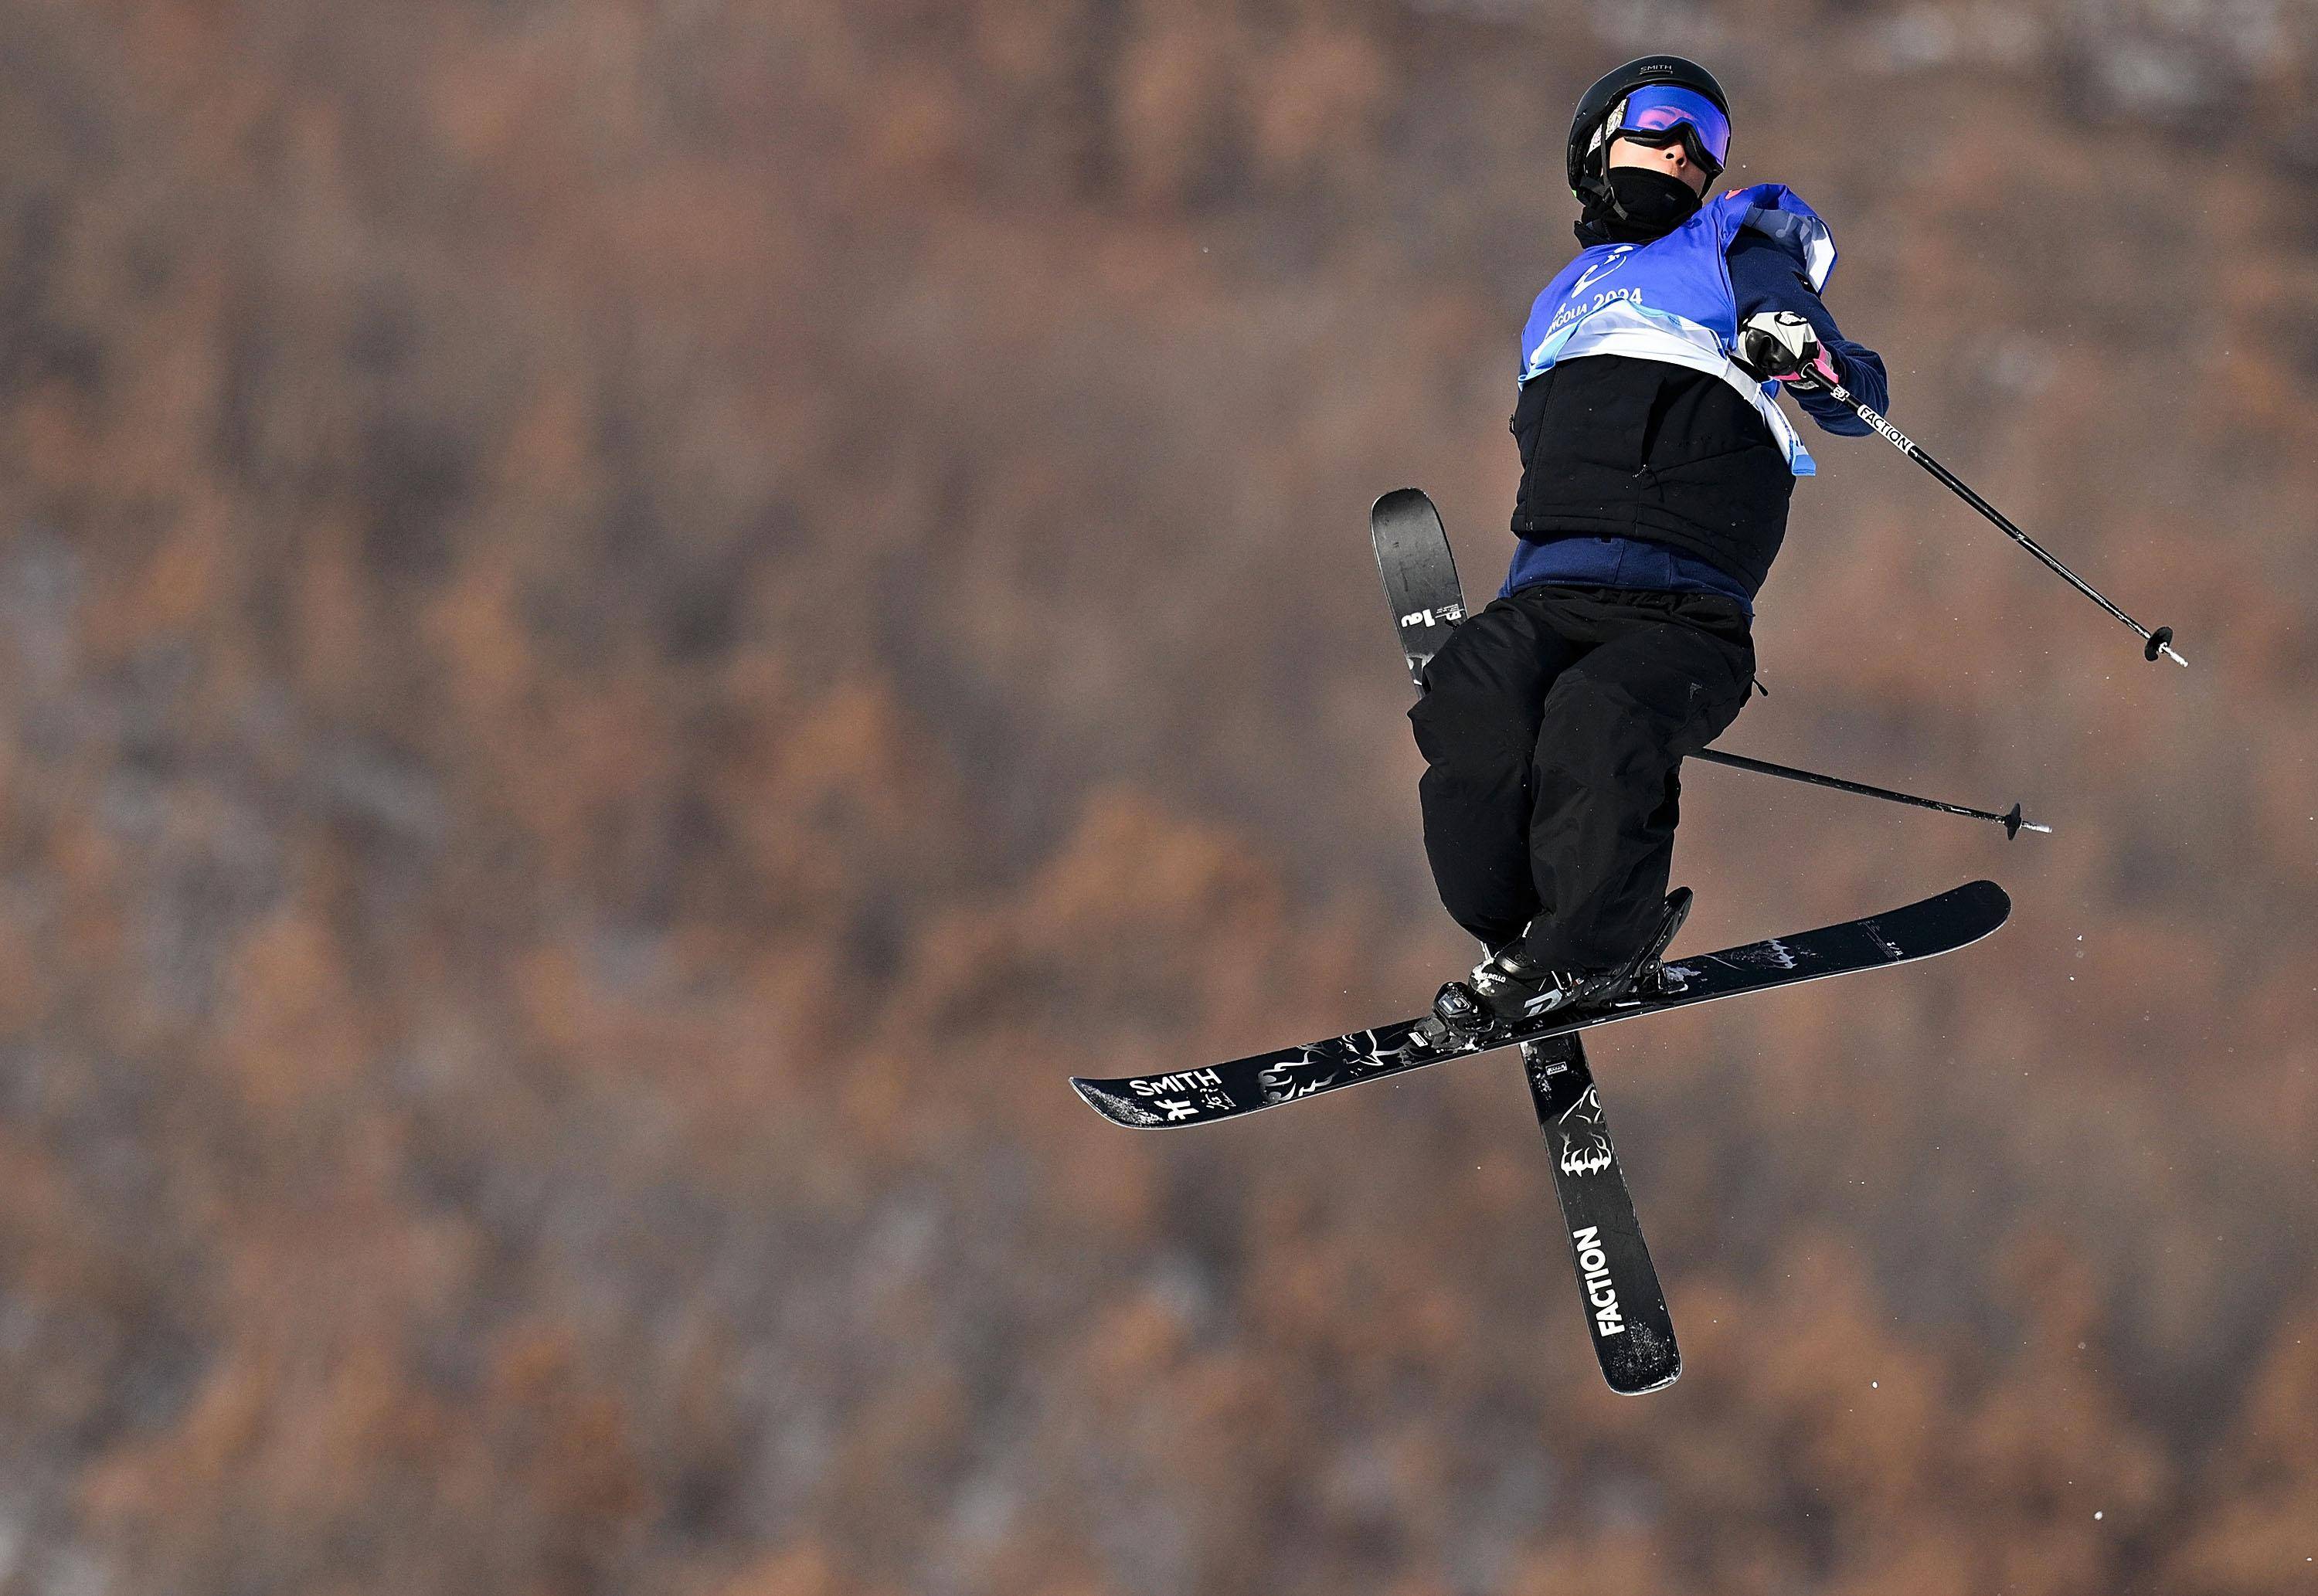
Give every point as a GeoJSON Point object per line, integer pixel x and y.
{"type": "Point", "coordinates": [1656, 469]}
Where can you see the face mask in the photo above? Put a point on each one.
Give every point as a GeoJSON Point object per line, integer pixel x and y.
{"type": "Point", "coordinates": [1653, 203]}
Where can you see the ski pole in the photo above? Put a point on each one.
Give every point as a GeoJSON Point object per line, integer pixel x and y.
{"type": "Point", "coordinates": [2012, 824]}
{"type": "Point", "coordinates": [2160, 641]}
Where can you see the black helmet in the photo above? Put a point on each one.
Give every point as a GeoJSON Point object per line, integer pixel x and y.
{"type": "Point", "coordinates": [1586, 145]}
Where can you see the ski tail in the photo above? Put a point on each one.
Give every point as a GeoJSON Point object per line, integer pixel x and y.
{"type": "Point", "coordinates": [1420, 575]}
{"type": "Point", "coordinates": [1626, 1316]}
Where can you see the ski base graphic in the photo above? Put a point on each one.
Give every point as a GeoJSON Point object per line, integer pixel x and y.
{"type": "Point", "coordinates": [1626, 1315]}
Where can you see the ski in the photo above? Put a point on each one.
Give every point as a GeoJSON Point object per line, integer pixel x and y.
{"type": "Point", "coordinates": [1940, 924]}
{"type": "Point", "coordinates": [1626, 1315]}
{"type": "Point", "coordinates": [1419, 572]}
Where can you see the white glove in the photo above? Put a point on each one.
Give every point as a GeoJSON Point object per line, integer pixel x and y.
{"type": "Point", "coordinates": [1780, 345]}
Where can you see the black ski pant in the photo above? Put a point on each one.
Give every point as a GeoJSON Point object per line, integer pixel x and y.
{"type": "Point", "coordinates": [1552, 726]}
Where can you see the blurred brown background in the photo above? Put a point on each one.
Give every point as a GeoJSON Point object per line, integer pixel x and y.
{"type": "Point", "coordinates": [629, 629]}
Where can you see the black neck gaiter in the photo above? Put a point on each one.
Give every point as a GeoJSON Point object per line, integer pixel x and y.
{"type": "Point", "coordinates": [1644, 205]}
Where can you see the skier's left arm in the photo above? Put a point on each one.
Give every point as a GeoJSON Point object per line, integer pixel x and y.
{"type": "Point", "coordinates": [1765, 277]}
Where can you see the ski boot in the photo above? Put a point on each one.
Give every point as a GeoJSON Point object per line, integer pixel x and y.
{"type": "Point", "coordinates": [1514, 988]}
{"type": "Point", "coordinates": [1508, 990]}
{"type": "Point", "coordinates": [1503, 990]}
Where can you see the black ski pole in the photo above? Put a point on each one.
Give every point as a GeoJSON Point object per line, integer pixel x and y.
{"type": "Point", "coordinates": [2160, 641]}
{"type": "Point", "coordinates": [2012, 824]}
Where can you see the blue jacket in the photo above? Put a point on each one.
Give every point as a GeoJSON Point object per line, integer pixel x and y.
{"type": "Point", "coordinates": [1648, 460]}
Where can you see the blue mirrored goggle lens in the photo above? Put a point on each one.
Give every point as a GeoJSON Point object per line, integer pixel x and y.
{"type": "Point", "coordinates": [1664, 110]}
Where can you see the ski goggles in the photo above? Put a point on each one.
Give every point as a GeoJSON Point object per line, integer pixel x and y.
{"type": "Point", "coordinates": [1659, 116]}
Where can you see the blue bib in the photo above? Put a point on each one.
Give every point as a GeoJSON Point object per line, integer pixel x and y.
{"type": "Point", "coordinates": [1671, 299]}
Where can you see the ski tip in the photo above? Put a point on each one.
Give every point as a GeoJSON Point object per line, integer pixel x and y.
{"type": "Point", "coordinates": [1397, 508]}
{"type": "Point", "coordinates": [1119, 1109]}
{"type": "Point", "coordinates": [1652, 1363]}
{"type": "Point", "coordinates": [1657, 1380]}
{"type": "Point", "coordinates": [1999, 901]}
{"type": "Point", "coordinates": [1990, 902]}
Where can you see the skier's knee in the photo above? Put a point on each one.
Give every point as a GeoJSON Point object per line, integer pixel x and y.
{"type": "Point", "coordinates": [1460, 723]}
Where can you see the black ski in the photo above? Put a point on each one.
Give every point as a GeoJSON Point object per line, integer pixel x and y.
{"type": "Point", "coordinates": [1954, 919]}
{"type": "Point", "coordinates": [1420, 574]}
{"type": "Point", "coordinates": [1626, 1314]}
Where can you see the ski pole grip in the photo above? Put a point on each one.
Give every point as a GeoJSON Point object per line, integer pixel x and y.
{"type": "Point", "coordinates": [2157, 641]}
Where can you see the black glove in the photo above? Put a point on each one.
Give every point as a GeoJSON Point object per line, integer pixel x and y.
{"type": "Point", "coordinates": [1779, 345]}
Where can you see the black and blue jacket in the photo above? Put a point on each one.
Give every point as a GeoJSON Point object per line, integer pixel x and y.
{"type": "Point", "coordinates": [1648, 458]}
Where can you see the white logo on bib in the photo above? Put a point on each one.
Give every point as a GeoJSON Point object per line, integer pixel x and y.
{"type": "Point", "coordinates": [1617, 259]}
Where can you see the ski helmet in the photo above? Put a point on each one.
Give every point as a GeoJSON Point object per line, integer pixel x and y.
{"type": "Point", "coordinates": [1591, 130]}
